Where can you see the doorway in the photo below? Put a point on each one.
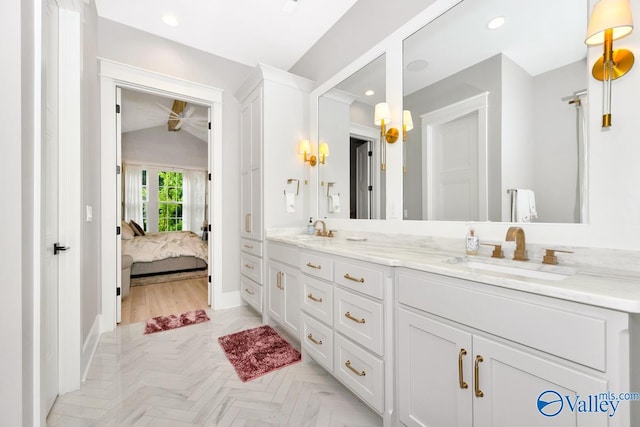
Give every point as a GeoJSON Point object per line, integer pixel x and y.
{"type": "Point", "coordinates": [112, 76]}
{"type": "Point", "coordinates": [361, 180]}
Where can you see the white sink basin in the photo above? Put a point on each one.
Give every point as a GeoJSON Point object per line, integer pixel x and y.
{"type": "Point", "coordinates": [518, 271]}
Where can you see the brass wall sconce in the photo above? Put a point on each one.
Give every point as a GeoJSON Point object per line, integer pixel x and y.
{"type": "Point", "coordinates": [407, 123]}
{"type": "Point", "coordinates": [305, 149]}
{"type": "Point", "coordinates": [383, 118]}
{"type": "Point", "coordinates": [610, 20]}
{"type": "Point", "coordinates": [323, 152]}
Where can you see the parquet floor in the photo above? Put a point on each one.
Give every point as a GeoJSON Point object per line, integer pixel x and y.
{"type": "Point", "coordinates": [182, 378]}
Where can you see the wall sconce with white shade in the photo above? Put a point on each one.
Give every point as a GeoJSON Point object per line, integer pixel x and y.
{"type": "Point", "coordinates": [323, 152]}
{"type": "Point", "coordinates": [610, 20]}
{"type": "Point", "coordinates": [305, 150]}
{"type": "Point", "coordinates": [382, 117]}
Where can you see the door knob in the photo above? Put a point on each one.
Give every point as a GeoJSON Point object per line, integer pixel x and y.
{"type": "Point", "coordinates": [57, 248]}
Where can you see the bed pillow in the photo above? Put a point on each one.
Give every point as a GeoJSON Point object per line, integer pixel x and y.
{"type": "Point", "coordinates": [139, 231]}
{"type": "Point", "coordinates": [126, 231]}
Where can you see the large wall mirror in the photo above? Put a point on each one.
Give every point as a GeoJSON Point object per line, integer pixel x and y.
{"type": "Point", "coordinates": [350, 178]}
{"type": "Point", "coordinates": [499, 130]}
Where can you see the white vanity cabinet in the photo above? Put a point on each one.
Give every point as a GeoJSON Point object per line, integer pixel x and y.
{"type": "Point", "coordinates": [474, 355]}
{"type": "Point", "coordinates": [283, 294]}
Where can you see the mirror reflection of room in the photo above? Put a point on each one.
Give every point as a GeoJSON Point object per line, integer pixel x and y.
{"type": "Point", "coordinates": [498, 107]}
{"type": "Point", "coordinates": [351, 180]}
{"type": "Point", "coordinates": [164, 238]}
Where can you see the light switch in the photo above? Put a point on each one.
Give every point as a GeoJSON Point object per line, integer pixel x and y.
{"type": "Point", "coordinates": [89, 213]}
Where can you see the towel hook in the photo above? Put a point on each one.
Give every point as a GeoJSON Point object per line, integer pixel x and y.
{"type": "Point", "coordinates": [291, 181]}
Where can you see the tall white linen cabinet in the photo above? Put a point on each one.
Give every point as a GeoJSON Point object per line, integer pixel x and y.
{"type": "Point", "coordinates": [274, 118]}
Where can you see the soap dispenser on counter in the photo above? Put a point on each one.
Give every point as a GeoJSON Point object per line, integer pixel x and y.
{"type": "Point", "coordinates": [472, 242]}
{"type": "Point", "coordinates": [310, 228]}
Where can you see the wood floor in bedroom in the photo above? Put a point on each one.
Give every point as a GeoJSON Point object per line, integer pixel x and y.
{"type": "Point", "coordinates": [161, 299]}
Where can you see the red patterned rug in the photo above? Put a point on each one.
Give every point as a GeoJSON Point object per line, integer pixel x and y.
{"type": "Point", "coordinates": [258, 351]}
{"type": "Point", "coordinates": [173, 321]}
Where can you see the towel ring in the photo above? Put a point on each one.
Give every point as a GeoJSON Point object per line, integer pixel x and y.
{"type": "Point", "coordinates": [329, 185]}
{"type": "Point", "coordinates": [291, 181]}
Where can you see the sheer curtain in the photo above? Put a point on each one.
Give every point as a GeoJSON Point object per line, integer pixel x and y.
{"type": "Point", "coordinates": [133, 193]}
{"type": "Point", "coordinates": [193, 200]}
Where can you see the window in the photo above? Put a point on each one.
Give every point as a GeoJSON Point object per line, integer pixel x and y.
{"type": "Point", "coordinates": [169, 201]}
{"type": "Point", "coordinates": [145, 201]}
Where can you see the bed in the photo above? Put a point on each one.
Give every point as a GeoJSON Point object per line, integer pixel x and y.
{"type": "Point", "coordinates": [166, 252]}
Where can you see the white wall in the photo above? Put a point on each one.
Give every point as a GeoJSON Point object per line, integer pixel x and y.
{"type": "Point", "coordinates": [555, 136]}
{"type": "Point", "coordinates": [157, 146]}
{"type": "Point", "coordinates": [14, 118]}
{"type": "Point", "coordinates": [136, 48]}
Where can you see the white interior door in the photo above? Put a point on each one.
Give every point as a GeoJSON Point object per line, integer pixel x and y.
{"type": "Point", "coordinates": [363, 181]}
{"type": "Point", "coordinates": [209, 210]}
{"type": "Point", "coordinates": [119, 204]}
{"type": "Point", "coordinates": [455, 162]}
{"type": "Point", "coordinates": [50, 219]}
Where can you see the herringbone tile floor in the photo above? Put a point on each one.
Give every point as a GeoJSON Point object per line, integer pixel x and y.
{"type": "Point", "coordinates": [182, 378]}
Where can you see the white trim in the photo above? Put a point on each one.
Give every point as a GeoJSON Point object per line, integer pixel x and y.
{"type": "Point", "coordinates": [475, 104]}
{"type": "Point", "coordinates": [227, 300]}
{"type": "Point", "coordinates": [70, 214]}
{"type": "Point", "coordinates": [112, 75]}
{"type": "Point", "coordinates": [165, 166]}
{"type": "Point", "coordinates": [89, 347]}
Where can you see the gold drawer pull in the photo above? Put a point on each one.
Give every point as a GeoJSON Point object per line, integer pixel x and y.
{"type": "Point", "coordinates": [279, 280]}
{"type": "Point", "coordinates": [249, 291]}
{"type": "Point", "coordinates": [476, 371]}
{"type": "Point", "coordinates": [250, 267]}
{"type": "Point", "coordinates": [355, 371]}
{"type": "Point", "coordinates": [463, 384]}
{"type": "Point", "coordinates": [248, 246]}
{"type": "Point", "coordinates": [317, 267]}
{"type": "Point", "coordinates": [313, 340]}
{"type": "Point", "coordinates": [348, 277]}
{"type": "Point", "coordinates": [311, 297]}
{"type": "Point", "coordinates": [247, 223]}
{"type": "Point", "coordinates": [349, 316]}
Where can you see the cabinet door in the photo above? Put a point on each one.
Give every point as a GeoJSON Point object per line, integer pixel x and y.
{"type": "Point", "coordinates": [245, 204]}
{"type": "Point", "coordinates": [431, 389]}
{"type": "Point", "coordinates": [515, 384]}
{"type": "Point", "coordinates": [275, 294]}
{"type": "Point", "coordinates": [256, 205]}
{"type": "Point", "coordinates": [256, 128]}
{"type": "Point", "coordinates": [291, 283]}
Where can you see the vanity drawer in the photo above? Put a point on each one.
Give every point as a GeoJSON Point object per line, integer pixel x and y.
{"type": "Point", "coordinates": [251, 292]}
{"type": "Point", "coordinates": [252, 247]}
{"type": "Point", "coordinates": [317, 340]}
{"type": "Point", "coordinates": [532, 320]}
{"type": "Point", "coordinates": [317, 299]}
{"type": "Point", "coordinates": [316, 265]}
{"type": "Point", "coordinates": [360, 278]}
{"type": "Point", "coordinates": [359, 370]}
{"type": "Point", "coordinates": [284, 253]}
{"type": "Point", "coordinates": [251, 266]}
{"type": "Point", "coordinates": [358, 318]}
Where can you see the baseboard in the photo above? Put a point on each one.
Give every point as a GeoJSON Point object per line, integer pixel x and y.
{"type": "Point", "coordinates": [89, 348]}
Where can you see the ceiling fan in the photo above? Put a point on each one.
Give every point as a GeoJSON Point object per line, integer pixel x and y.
{"type": "Point", "coordinates": [179, 117]}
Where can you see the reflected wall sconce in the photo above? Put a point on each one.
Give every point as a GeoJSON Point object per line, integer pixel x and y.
{"type": "Point", "coordinates": [407, 123]}
{"type": "Point", "coordinates": [382, 117]}
{"type": "Point", "coordinates": [305, 150]}
{"type": "Point", "coordinates": [323, 152]}
{"type": "Point", "coordinates": [610, 20]}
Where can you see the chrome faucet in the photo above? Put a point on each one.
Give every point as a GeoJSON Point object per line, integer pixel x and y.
{"type": "Point", "coordinates": [322, 233]}
{"type": "Point", "coordinates": [517, 234]}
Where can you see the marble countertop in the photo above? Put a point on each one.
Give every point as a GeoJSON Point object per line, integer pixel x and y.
{"type": "Point", "coordinates": [603, 278]}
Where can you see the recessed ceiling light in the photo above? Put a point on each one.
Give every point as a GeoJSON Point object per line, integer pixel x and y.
{"type": "Point", "coordinates": [369, 92]}
{"type": "Point", "coordinates": [496, 22]}
{"type": "Point", "coordinates": [417, 65]}
{"type": "Point", "coordinates": [170, 20]}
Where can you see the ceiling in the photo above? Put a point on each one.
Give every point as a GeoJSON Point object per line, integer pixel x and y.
{"type": "Point", "coordinates": [142, 110]}
{"type": "Point", "coordinates": [245, 31]}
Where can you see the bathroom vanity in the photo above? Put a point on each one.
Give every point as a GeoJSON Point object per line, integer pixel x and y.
{"type": "Point", "coordinates": [427, 336]}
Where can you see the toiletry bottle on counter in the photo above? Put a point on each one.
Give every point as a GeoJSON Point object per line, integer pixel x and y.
{"type": "Point", "coordinates": [473, 243]}
{"type": "Point", "coordinates": [310, 229]}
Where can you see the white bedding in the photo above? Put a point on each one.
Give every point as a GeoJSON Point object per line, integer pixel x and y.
{"type": "Point", "coordinates": [157, 246]}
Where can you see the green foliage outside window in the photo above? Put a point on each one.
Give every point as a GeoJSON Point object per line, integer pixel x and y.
{"type": "Point", "coordinates": [169, 201]}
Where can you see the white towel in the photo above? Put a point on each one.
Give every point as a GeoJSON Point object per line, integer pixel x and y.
{"type": "Point", "coordinates": [523, 205]}
{"type": "Point", "coordinates": [334, 203]}
{"type": "Point", "coordinates": [290, 199]}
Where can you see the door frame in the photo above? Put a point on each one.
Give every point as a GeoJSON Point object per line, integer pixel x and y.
{"type": "Point", "coordinates": [371, 134]}
{"type": "Point", "coordinates": [475, 104]}
{"type": "Point", "coordinates": [115, 74]}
